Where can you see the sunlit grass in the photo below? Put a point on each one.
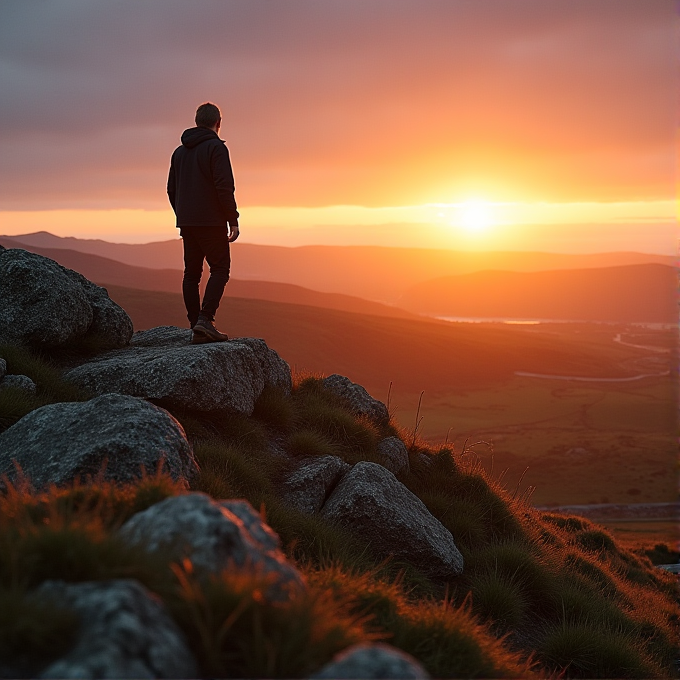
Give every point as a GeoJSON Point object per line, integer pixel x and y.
{"type": "Point", "coordinates": [540, 593]}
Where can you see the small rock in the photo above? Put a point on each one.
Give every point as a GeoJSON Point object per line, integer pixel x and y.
{"type": "Point", "coordinates": [20, 382]}
{"type": "Point", "coordinates": [378, 508]}
{"type": "Point", "coordinates": [161, 365]}
{"type": "Point", "coordinates": [308, 487]}
{"type": "Point", "coordinates": [3, 368]}
{"type": "Point", "coordinates": [126, 632]}
{"type": "Point", "coordinates": [57, 443]}
{"type": "Point", "coordinates": [359, 400]}
{"type": "Point", "coordinates": [372, 661]}
{"type": "Point", "coordinates": [394, 455]}
{"type": "Point", "coordinates": [215, 536]}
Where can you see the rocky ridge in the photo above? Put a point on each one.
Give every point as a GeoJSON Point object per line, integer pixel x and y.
{"type": "Point", "coordinates": [126, 431]}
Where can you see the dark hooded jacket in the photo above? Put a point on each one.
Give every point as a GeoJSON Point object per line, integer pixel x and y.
{"type": "Point", "coordinates": [201, 182]}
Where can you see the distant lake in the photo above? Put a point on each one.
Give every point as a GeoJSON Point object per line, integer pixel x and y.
{"type": "Point", "coordinates": [538, 322]}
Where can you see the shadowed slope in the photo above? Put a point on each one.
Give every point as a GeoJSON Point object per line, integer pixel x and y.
{"type": "Point", "coordinates": [416, 355]}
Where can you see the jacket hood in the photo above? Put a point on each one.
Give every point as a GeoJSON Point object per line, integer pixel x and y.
{"type": "Point", "coordinates": [196, 135]}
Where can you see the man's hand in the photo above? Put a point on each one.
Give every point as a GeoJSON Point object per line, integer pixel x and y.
{"type": "Point", "coordinates": [233, 234]}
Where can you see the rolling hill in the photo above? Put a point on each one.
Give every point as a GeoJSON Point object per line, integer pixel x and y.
{"type": "Point", "coordinates": [370, 272]}
{"type": "Point", "coordinates": [413, 354]}
{"type": "Point", "coordinates": [106, 272]}
{"type": "Point", "coordinates": [627, 293]}
{"type": "Point", "coordinates": [633, 293]}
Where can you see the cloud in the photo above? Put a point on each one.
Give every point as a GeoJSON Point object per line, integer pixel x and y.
{"type": "Point", "coordinates": [354, 101]}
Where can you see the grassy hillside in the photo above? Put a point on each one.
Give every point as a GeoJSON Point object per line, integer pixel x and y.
{"type": "Point", "coordinates": [541, 595]}
{"type": "Point", "coordinates": [643, 292]}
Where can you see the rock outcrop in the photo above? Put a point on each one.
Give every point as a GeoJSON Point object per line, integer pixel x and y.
{"type": "Point", "coordinates": [307, 488]}
{"type": "Point", "coordinates": [372, 661]}
{"type": "Point", "coordinates": [394, 455]}
{"type": "Point", "coordinates": [358, 399]}
{"type": "Point", "coordinates": [215, 536]}
{"type": "Point", "coordinates": [161, 365]}
{"type": "Point", "coordinates": [375, 506]}
{"type": "Point", "coordinates": [45, 304]}
{"type": "Point", "coordinates": [126, 632]}
{"type": "Point", "coordinates": [59, 442]}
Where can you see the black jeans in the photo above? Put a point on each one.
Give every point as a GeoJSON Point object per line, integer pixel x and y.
{"type": "Point", "coordinates": [211, 244]}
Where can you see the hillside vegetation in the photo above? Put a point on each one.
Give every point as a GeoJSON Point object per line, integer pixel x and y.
{"type": "Point", "coordinates": [541, 594]}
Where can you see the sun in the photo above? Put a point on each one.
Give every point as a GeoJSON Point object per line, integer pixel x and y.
{"type": "Point", "coordinates": [475, 215]}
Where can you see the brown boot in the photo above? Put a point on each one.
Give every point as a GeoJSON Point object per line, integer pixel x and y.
{"type": "Point", "coordinates": [206, 328]}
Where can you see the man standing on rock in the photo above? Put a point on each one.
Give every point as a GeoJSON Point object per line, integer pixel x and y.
{"type": "Point", "coordinates": [201, 192]}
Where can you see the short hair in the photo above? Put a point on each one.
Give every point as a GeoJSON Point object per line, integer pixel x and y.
{"type": "Point", "coordinates": [207, 115]}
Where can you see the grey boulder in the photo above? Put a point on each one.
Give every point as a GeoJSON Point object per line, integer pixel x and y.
{"type": "Point", "coordinates": [375, 506]}
{"type": "Point", "coordinates": [20, 382]}
{"type": "Point", "coordinates": [126, 632]}
{"type": "Point", "coordinates": [162, 336]}
{"type": "Point", "coordinates": [111, 326]}
{"type": "Point", "coordinates": [394, 455]}
{"type": "Point", "coordinates": [372, 661]}
{"type": "Point", "coordinates": [43, 303]}
{"type": "Point", "coordinates": [307, 488]}
{"type": "Point", "coordinates": [215, 536]}
{"type": "Point", "coordinates": [161, 365]}
{"type": "Point", "coordinates": [58, 443]}
{"type": "Point", "coordinates": [357, 398]}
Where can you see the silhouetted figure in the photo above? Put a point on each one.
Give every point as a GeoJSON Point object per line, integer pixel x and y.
{"type": "Point", "coordinates": [201, 192]}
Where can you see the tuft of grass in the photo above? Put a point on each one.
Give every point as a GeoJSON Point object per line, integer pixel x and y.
{"type": "Point", "coordinates": [310, 444]}
{"type": "Point", "coordinates": [516, 564]}
{"type": "Point", "coordinates": [594, 574]}
{"type": "Point", "coordinates": [15, 403]}
{"type": "Point", "coordinates": [34, 632]}
{"type": "Point", "coordinates": [275, 409]}
{"type": "Point", "coordinates": [447, 640]}
{"type": "Point", "coordinates": [321, 411]}
{"type": "Point", "coordinates": [498, 599]}
{"type": "Point", "coordinates": [236, 632]}
{"type": "Point", "coordinates": [313, 542]}
{"type": "Point", "coordinates": [44, 372]}
{"type": "Point", "coordinates": [576, 602]}
{"type": "Point", "coordinates": [231, 471]}
{"type": "Point", "coordinates": [595, 540]}
{"type": "Point", "coordinates": [582, 652]}
{"type": "Point", "coordinates": [105, 502]}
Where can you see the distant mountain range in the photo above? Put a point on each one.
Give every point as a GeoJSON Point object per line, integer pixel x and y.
{"type": "Point", "coordinates": [382, 274]}
{"type": "Point", "coordinates": [108, 272]}
{"type": "Point", "coordinates": [625, 287]}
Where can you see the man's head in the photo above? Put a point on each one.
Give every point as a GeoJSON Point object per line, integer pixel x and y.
{"type": "Point", "coordinates": [208, 116]}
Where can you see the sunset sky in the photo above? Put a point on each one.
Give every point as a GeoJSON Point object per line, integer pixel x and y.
{"type": "Point", "coordinates": [475, 124]}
